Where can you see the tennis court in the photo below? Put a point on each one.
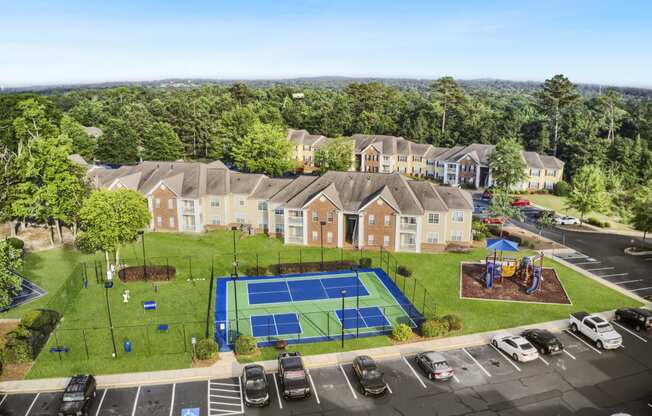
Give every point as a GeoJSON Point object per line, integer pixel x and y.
{"type": "Point", "coordinates": [309, 307]}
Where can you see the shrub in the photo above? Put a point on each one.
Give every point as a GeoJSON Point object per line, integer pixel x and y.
{"type": "Point", "coordinates": [454, 321]}
{"type": "Point", "coordinates": [404, 271]}
{"type": "Point", "coordinates": [16, 348]}
{"type": "Point", "coordinates": [16, 243]}
{"type": "Point", "coordinates": [365, 262]}
{"type": "Point", "coordinates": [245, 345]}
{"type": "Point", "coordinates": [206, 349]}
{"type": "Point", "coordinates": [561, 188]}
{"type": "Point", "coordinates": [434, 328]}
{"type": "Point", "coordinates": [597, 222]}
{"type": "Point", "coordinates": [256, 271]}
{"type": "Point", "coordinates": [402, 333]}
{"type": "Point", "coordinates": [43, 320]}
{"type": "Point", "coordinates": [480, 230]}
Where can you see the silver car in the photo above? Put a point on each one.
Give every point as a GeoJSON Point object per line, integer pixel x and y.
{"type": "Point", "coordinates": [435, 366]}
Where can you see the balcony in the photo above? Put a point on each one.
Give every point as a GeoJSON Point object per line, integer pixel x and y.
{"type": "Point", "coordinates": [188, 211]}
{"type": "Point", "coordinates": [407, 227]}
{"type": "Point", "coordinates": [295, 240]}
{"type": "Point", "coordinates": [295, 220]}
{"type": "Point", "coordinates": [407, 247]}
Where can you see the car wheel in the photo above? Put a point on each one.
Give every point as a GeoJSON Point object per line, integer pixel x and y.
{"type": "Point", "coordinates": [494, 343]}
{"type": "Point", "coordinates": [429, 376]}
{"type": "Point", "coordinates": [515, 357]}
{"type": "Point", "coordinates": [541, 351]}
{"type": "Point", "coordinates": [574, 327]}
{"type": "Point", "coordinates": [599, 345]}
{"type": "Point", "coordinates": [617, 317]}
{"type": "Point", "coordinates": [638, 328]}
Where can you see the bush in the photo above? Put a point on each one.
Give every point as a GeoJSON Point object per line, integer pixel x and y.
{"type": "Point", "coordinates": [43, 320]}
{"type": "Point", "coordinates": [245, 345]}
{"type": "Point", "coordinates": [402, 333]}
{"type": "Point", "coordinates": [454, 322]}
{"type": "Point", "coordinates": [434, 328]}
{"type": "Point", "coordinates": [479, 230]}
{"type": "Point", "coordinates": [16, 243]}
{"type": "Point", "coordinates": [596, 222]}
{"type": "Point", "coordinates": [365, 263]}
{"type": "Point", "coordinates": [256, 271]}
{"type": "Point", "coordinates": [206, 349]}
{"type": "Point", "coordinates": [404, 271]}
{"type": "Point", "coordinates": [16, 348]}
{"type": "Point", "coordinates": [561, 188]}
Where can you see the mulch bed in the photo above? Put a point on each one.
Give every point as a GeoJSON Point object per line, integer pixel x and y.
{"type": "Point", "coordinates": [511, 288]}
{"type": "Point", "coordinates": [154, 273]}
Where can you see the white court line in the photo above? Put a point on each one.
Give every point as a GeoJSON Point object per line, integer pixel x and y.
{"type": "Point", "coordinates": [544, 361]}
{"type": "Point", "coordinates": [102, 401]}
{"type": "Point", "coordinates": [584, 342]}
{"type": "Point", "coordinates": [415, 373]}
{"type": "Point", "coordinates": [631, 332]}
{"type": "Point", "coordinates": [32, 405]}
{"type": "Point", "coordinates": [506, 357]}
{"type": "Point", "coordinates": [3, 399]}
{"type": "Point", "coordinates": [133, 411]}
{"type": "Point", "coordinates": [314, 389]}
{"type": "Point", "coordinates": [628, 281]}
{"type": "Point", "coordinates": [601, 268]}
{"type": "Point", "coordinates": [278, 395]}
{"type": "Point", "coordinates": [476, 361]}
{"type": "Point", "coordinates": [642, 288]}
{"type": "Point", "coordinates": [174, 387]}
{"type": "Point", "coordinates": [614, 275]}
{"type": "Point", "coordinates": [570, 355]}
{"type": "Point", "coordinates": [355, 396]}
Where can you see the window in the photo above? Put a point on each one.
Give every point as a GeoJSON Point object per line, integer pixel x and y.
{"type": "Point", "coordinates": [433, 218]}
{"type": "Point", "coordinates": [315, 216]}
{"type": "Point", "coordinates": [430, 162]}
{"type": "Point", "coordinates": [262, 206]}
{"type": "Point", "coordinates": [215, 220]}
{"type": "Point", "coordinates": [170, 204]}
{"type": "Point", "coordinates": [329, 237]}
{"type": "Point", "coordinates": [534, 185]}
{"type": "Point", "coordinates": [456, 235]}
{"type": "Point", "coordinates": [402, 158]}
{"type": "Point", "coordinates": [315, 236]}
{"type": "Point", "coordinates": [416, 158]}
{"type": "Point", "coordinates": [241, 202]}
{"type": "Point", "coordinates": [535, 172]}
{"type": "Point", "coordinates": [188, 205]}
{"type": "Point", "coordinates": [215, 202]}
{"type": "Point", "coordinates": [387, 220]}
{"type": "Point", "coordinates": [370, 240]}
{"type": "Point", "coordinates": [551, 172]}
{"type": "Point", "coordinates": [372, 219]}
{"type": "Point", "coordinates": [159, 221]}
{"type": "Point", "coordinates": [278, 228]}
{"type": "Point", "coordinates": [240, 219]}
{"type": "Point", "coordinates": [330, 217]}
{"type": "Point", "coordinates": [278, 211]}
{"type": "Point", "coordinates": [385, 158]}
{"type": "Point", "coordinates": [408, 220]}
{"type": "Point", "coordinates": [458, 216]}
{"type": "Point", "coordinates": [157, 202]}
{"type": "Point", "coordinates": [432, 238]}
{"type": "Point", "coordinates": [385, 240]}
{"type": "Point", "coordinates": [172, 222]}
{"type": "Point", "coordinates": [306, 147]}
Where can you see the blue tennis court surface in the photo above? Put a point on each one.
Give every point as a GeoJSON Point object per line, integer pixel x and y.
{"type": "Point", "coordinates": [363, 318]}
{"type": "Point", "coordinates": [277, 324]}
{"type": "Point", "coordinates": [302, 290]}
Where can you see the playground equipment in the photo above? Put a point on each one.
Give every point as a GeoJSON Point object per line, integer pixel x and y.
{"type": "Point", "coordinates": [497, 267]}
{"type": "Point", "coordinates": [530, 272]}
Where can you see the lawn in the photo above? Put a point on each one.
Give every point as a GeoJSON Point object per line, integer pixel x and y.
{"type": "Point", "coordinates": [182, 303]}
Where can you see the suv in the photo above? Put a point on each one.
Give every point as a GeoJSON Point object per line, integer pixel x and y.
{"type": "Point", "coordinates": [77, 396]}
{"type": "Point", "coordinates": [294, 379]}
{"type": "Point", "coordinates": [636, 317]}
{"type": "Point", "coordinates": [370, 377]}
{"type": "Point", "coordinates": [544, 341]}
{"type": "Point", "coordinates": [256, 389]}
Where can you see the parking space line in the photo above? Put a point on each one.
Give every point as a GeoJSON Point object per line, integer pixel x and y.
{"type": "Point", "coordinates": [226, 403]}
{"type": "Point", "coordinates": [225, 397]}
{"type": "Point", "coordinates": [587, 262]}
{"type": "Point", "coordinates": [506, 357]}
{"type": "Point", "coordinates": [455, 378]}
{"type": "Point", "coordinates": [133, 410]}
{"type": "Point", "coordinates": [415, 373]}
{"type": "Point", "coordinates": [570, 355]}
{"type": "Point", "coordinates": [628, 281]}
{"type": "Point", "coordinates": [278, 394]}
{"type": "Point", "coordinates": [476, 361]}
{"type": "Point", "coordinates": [3, 399]}
{"type": "Point", "coordinates": [542, 359]}
{"type": "Point", "coordinates": [641, 288]}
{"type": "Point", "coordinates": [631, 332]}
{"type": "Point", "coordinates": [355, 396]}
{"type": "Point", "coordinates": [614, 275]}
{"type": "Point", "coordinates": [584, 342]}
{"type": "Point", "coordinates": [601, 268]}
{"type": "Point", "coordinates": [312, 383]}
{"type": "Point", "coordinates": [648, 259]}
{"type": "Point", "coordinates": [101, 401]}
{"type": "Point", "coordinates": [225, 384]}
{"type": "Point", "coordinates": [389, 389]}
{"type": "Point", "coordinates": [218, 389]}
{"type": "Point", "coordinates": [174, 387]}
{"type": "Point", "coordinates": [32, 405]}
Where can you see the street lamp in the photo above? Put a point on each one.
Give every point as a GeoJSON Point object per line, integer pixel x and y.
{"type": "Point", "coordinates": [142, 239]}
{"type": "Point", "coordinates": [343, 293]}
{"type": "Point", "coordinates": [321, 238]}
{"type": "Point", "coordinates": [357, 302]}
{"type": "Point", "coordinates": [234, 277]}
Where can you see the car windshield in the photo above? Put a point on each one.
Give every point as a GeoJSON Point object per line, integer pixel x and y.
{"type": "Point", "coordinates": [73, 397]}
{"type": "Point", "coordinates": [372, 374]}
{"type": "Point", "coordinates": [526, 346]}
{"type": "Point", "coordinates": [256, 384]}
{"type": "Point", "coordinates": [604, 328]}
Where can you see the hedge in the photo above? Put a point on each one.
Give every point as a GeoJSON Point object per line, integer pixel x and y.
{"type": "Point", "coordinates": [434, 328]}
{"type": "Point", "coordinates": [245, 345]}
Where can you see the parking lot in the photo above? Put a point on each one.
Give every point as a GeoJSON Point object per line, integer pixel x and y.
{"type": "Point", "coordinates": [582, 380]}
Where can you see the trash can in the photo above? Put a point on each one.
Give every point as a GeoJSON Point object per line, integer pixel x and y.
{"type": "Point", "coordinates": [127, 345]}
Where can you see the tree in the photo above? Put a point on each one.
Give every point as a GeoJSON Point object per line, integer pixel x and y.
{"type": "Point", "coordinates": [501, 207]}
{"type": "Point", "coordinates": [507, 164]}
{"type": "Point", "coordinates": [555, 96]}
{"type": "Point", "coordinates": [588, 191]}
{"type": "Point", "coordinates": [160, 142]}
{"type": "Point", "coordinates": [118, 144]}
{"type": "Point", "coordinates": [32, 124]}
{"type": "Point", "coordinates": [642, 218]}
{"type": "Point", "coordinates": [336, 154]}
{"type": "Point", "coordinates": [264, 149]}
{"type": "Point", "coordinates": [546, 220]}
{"type": "Point", "coordinates": [10, 283]}
{"type": "Point", "coordinates": [82, 143]}
{"type": "Point", "coordinates": [449, 95]}
{"type": "Point", "coordinates": [110, 219]}
{"type": "Point", "coordinates": [232, 126]}
{"type": "Point", "coordinates": [611, 105]}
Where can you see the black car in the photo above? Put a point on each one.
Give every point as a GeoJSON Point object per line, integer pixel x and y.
{"type": "Point", "coordinates": [77, 396]}
{"type": "Point", "coordinates": [294, 378]}
{"type": "Point", "coordinates": [544, 341]}
{"type": "Point", "coordinates": [370, 377]}
{"type": "Point", "coordinates": [637, 318]}
{"type": "Point", "coordinates": [256, 389]}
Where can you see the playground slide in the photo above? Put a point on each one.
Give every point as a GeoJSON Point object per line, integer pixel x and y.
{"type": "Point", "coordinates": [488, 282]}
{"type": "Point", "coordinates": [536, 281]}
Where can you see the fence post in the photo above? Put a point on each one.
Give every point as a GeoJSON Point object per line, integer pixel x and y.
{"type": "Point", "coordinates": [381, 257]}
{"type": "Point", "coordinates": [300, 260]}
{"type": "Point", "coordinates": [328, 325]}
{"type": "Point", "coordinates": [279, 263]}
{"type": "Point", "coordinates": [167, 268]}
{"type": "Point", "coordinates": [85, 344]}
{"type": "Point", "coordinates": [185, 347]}
{"type": "Point", "coordinates": [257, 268]}
{"type": "Point", "coordinates": [414, 290]}
{"type": "Point", "coordinates": [149, 350]}
{"type": "Point", "coordinates": [56, 340]}
{"type": "Point", "coordinates": [423, 308]}
{"type": "Point", "coordinates": [190, 264]}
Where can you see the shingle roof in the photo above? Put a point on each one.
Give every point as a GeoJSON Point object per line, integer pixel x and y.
{"type": "Point", "coordinates": [455, 198]}
{"type": "Point", "coordinates": [244, 183]}
{"type": "Point", "coordinates": [302, 137]}
{"type": "Point", "coordinates": [296, 186]}
{"type": "Point", "coordinates": [269, 187]}
{"type": "Point", "coordinates": [428, 196]}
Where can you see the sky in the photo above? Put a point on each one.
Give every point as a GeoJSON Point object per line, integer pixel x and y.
{"type": "Point", "coordinates": [60, 42]}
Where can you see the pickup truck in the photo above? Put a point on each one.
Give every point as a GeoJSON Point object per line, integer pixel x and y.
{"type": "Point", "coordinates": [596, 329]}
{"type": "Point", "coordinates": [294, 379]}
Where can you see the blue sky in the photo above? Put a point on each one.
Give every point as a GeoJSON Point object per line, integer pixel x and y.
{"type": "Point", "coordinates": [606, 42]}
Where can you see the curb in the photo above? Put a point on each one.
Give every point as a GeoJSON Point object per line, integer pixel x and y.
{"type": "Point", "coordinates": [629, 252]}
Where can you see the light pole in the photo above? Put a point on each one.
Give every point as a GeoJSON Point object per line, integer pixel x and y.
{"type": "Point", "coordinates": [234, 277]}
{"type": "Point", "coordinates": [321, 238]}
{"type": "Point", "coordinates": [357, 302]}
{"type": "Point", "coordinates": [343, 293]}
{"type": "Point", "coordinates": [142, 239]}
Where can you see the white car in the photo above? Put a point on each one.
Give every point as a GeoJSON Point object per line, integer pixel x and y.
{"type": "Point", "coordinates": [566, 220]}
{"type": "Point", "coordinates": [516, 347]}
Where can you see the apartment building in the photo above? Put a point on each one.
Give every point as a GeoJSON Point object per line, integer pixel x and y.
{"type": "Point", "coordinates": [304, 147]}
{"type": "Point", "coordinates": [342, 209]}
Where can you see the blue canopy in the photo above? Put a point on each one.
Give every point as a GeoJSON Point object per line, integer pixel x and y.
{"type": "Point", "coordinates": [500, 244]}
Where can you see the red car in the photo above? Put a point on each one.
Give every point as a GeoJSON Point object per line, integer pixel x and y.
{"type": "Point", "coordinates": [493, 220]}
{"type": "Point", "coordinates": [520, 202]}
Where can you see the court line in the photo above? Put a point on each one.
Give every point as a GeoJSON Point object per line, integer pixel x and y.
{"type": "Point", "coordinates": [415, 373]}
{"type": "Point", "coordinates": [32, 405]}
{"type": "Point", "coordinates": [289, 291]}
{"type": "Point", "coordinates": [133, 411]}
{"type": "Point", "coordinates": [314, 389]}
{"type": "Point", "coordinates": [584, 342]}
{"type": "Point", "coordinates": [544, 361]}
{"type": "Point", "coordinates": [174, 387]}
{"type": "Point", "coordinates": [355, 396]}
{"type": "Point", "coordinates": [101, 401]}
{"type": "Point", "coordinates": [278, 394]}
{"type": "Point", "coordinates": [598, 269]}
{"type": "Point", "coordinates": [476, 361]}
{"type": "Point", "coordinates": [506, 357]}
{"type": "Point", "coordinates": [570, 355]}
{"type": "Point", "coordinates": [631, 332]}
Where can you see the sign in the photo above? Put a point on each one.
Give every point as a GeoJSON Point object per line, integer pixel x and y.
{"type": "Point", "coordinates": [190, 411]}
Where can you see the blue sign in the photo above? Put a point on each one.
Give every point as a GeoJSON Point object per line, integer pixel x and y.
{"type": "Point", "coordinates": [149, 305]}
{"type": "Point", "coordinates": [190, 411]}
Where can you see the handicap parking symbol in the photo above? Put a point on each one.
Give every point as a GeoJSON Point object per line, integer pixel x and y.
{"type": "Point", "coordinates": [190, 411]}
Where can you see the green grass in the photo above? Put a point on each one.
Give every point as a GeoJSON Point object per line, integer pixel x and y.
{"type": "Point", "coordinates": [185, 300]}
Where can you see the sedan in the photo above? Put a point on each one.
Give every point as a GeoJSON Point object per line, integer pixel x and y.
{"type": "Point", "coordinates": [372, 381]}
{"type": "Point", "coordinates": [520, 202]}
{"type": "Point", "coordinates": [544, 341]}
{"type": "Point", "coordinates": [516, 347]}
{"type": "Point", "coordinates": [566, 220]}
{"type": "Point", "coordinates": [434, 365]}
{"type": "Point", "coordinates": [256, 389]}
